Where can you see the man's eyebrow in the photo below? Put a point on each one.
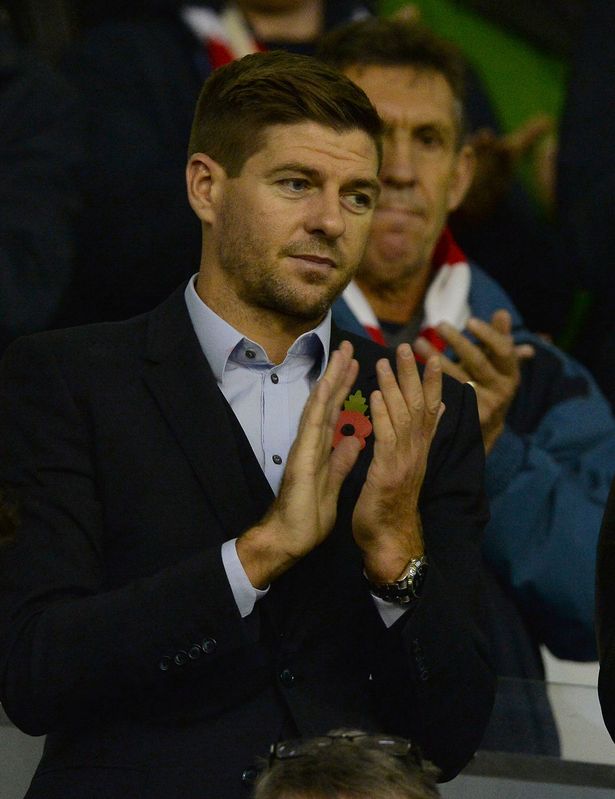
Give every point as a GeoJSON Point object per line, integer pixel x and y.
{"type": "Point", "coordinates": [444, 127]}
{"type": "Point", "coordinates": [296, 166]}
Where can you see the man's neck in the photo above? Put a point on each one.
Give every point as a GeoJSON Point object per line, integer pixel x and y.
{"type": "Point", "coordinates": [300, 24]}
{"type": "Point", "coordinates": [399, 301]}
{"type": "Point", "coordinates": [274, 332]}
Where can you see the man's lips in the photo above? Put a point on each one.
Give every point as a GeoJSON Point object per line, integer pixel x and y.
{"type": "Point", "coordinates": [396, 219]}
{"type": "Point", "coordinates": [315, 259]}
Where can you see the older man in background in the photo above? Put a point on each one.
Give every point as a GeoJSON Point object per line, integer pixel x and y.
{"type": "Point", "coordinates": [548, 432]}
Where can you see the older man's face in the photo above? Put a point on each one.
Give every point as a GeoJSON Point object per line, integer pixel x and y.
{"type": "Point", "coordinates": [424, 173]}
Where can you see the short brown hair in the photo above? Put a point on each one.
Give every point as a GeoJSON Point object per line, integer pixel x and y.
{"type": "Point", "coordinates": [349, 766]}
{"type": "Point", "coordinates": [393, 43]}
{"type": "Point", "coordinates": [241, 99]}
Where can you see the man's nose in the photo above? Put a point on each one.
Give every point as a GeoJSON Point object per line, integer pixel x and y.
{"type": "Point", "coordinates": [399, 166]}
{"type": "Point", "coordinates": [326, 215]}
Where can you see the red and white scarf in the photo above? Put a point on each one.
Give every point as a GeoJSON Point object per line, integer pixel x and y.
{"type": "Point", "coordinates": [446, 300]}
{"type": "Point", "coordinates": [227, 34]}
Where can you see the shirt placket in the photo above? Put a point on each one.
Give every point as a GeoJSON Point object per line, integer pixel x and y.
{"type": "Point", "coordinates": [275, 424]}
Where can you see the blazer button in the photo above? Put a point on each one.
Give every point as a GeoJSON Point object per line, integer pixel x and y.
{"type": "Point", "coordinates": [209, 645]}
{"type": "Point", "coordinates": [180, 658]}
{"type": "Point", "coordinates": [165, 663]}
{"type": "Point", "coordinates": [287, 678]}
{"type": "Point", "coordinates": [195, 652]}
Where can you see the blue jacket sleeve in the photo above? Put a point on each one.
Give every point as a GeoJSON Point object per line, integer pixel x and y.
{"type": "Point", "coordinates": [548, 478]}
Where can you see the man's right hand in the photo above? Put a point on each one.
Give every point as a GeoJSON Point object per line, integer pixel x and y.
{"type": "Point", "coordinates": [492, 366]}
{"type": "Point", "coordinates": [304, 512]}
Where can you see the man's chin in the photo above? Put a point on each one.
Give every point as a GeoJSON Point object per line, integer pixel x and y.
{"type": "Point", "coordinates": [395, 248]}
{"type": "Point", "coordinates": [306, 307]}
{"type": "Point", "coordinates": [389, 263]}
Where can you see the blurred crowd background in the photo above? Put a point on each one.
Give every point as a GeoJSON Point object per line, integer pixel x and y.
{"type": "Point", "coordinates": [95, 104]}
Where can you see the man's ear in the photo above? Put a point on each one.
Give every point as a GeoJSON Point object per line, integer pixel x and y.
{"type": "Point", "coordinates": [204, 181]}
{"type": "Point", "coordinates": [463, 174]}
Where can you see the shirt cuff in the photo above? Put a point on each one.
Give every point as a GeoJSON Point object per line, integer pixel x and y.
{"type": "Point", "coordinates": [246, 596]}
{"type": "Point", "coordinates": [389, 611]}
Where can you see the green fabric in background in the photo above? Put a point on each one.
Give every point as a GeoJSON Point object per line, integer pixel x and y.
{"type": "Point", "coordinates": [521, 80]}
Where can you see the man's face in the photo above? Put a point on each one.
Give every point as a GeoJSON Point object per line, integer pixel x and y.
{"type": "Point", "coordinates": [424, 174]}
{"type": "Point", "coordinates": [289, 231]}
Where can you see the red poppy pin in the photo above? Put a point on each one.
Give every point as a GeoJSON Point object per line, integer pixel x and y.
{"type": "Point", "coordinates": [353, 420]}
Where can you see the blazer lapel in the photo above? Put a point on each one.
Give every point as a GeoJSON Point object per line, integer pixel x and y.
{"type": "Point", "coordinates": [180, 379]}
{"type": "Point", "coordinates": [366, 382]}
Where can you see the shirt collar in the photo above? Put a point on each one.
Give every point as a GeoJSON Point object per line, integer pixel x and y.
{"type": "Point", "coordinates": [218, 339]}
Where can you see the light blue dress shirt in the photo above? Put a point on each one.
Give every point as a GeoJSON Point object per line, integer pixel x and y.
{"type": "Point", "coordinates": [268, 401]}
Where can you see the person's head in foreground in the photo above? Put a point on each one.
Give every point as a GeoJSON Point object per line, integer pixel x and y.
{"type": "Point", "coordinates": [347, 764]}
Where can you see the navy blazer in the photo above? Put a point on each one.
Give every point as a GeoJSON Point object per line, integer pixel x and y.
{"type": "Point", "coordinates": [119, 635]}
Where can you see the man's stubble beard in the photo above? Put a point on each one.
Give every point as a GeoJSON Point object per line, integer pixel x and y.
{"type": "Point", "coordinates": [255, 280]}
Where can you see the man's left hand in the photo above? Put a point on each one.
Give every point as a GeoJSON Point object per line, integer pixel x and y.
{"type": "Point", "coordinates": [491, 366]}
{"type": "Point", "coordinates": [405, 413]}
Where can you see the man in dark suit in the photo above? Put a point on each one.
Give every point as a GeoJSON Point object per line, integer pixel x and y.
{"type": "Point", "coordinates": [187, 584]}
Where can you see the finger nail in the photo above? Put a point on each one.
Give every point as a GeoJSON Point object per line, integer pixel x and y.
{"type": "Point", "coordinates": [405, 350]}
{"type": "Point", "coordinates": [421, 346]}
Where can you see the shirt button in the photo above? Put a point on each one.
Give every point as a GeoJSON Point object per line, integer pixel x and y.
{"type": "Point", "coordinates": [287, 678]}
{"type": "Point", "coordinates": [250, 354]}
{"type": "Point", "coordinates": [276, 459]}
{"type": "Point", "coordinates": [195, 652]}
{"type": "Point", "coordinates": [165, 664]}
{"type": "Point", "coordinates": [275, 378]}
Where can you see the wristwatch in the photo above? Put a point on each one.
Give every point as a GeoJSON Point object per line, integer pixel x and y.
{"type": "Point", "coordinates": [407, 588]}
